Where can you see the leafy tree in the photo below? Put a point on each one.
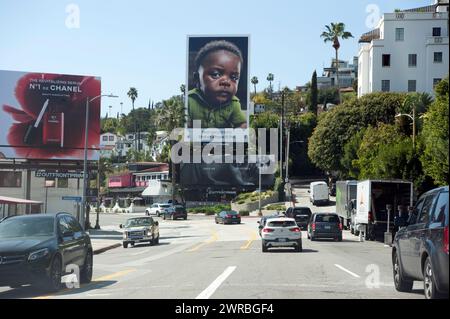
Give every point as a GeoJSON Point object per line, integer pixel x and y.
{"type": "Point", "coordinates": [349, 168]}
{"type": "Point", "coordinates": [332, 34]}
{"type": "Point", "coordinates": [435, 136]}
{"type": "Point", "coordinates": [328, 95]}
{"type": "Point", "coordinates": [109, 125]}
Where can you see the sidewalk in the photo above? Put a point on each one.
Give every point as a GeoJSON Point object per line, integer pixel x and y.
{"type": "Point", "coordinates": [103, 240]}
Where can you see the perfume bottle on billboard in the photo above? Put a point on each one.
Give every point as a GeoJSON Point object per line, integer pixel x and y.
{"type": "Point", "coordinates": [53, 127]}
{"type": "Point", "coordinates": [33, 131]}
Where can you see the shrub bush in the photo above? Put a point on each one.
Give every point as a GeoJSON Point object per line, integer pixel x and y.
{"type": "Point", "coordinates": [244, 212]}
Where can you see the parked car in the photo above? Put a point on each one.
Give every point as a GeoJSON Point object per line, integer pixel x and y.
{"type": "Point", "coordinates": [140, 230]}
{"type": "Point", "coordinates": [301, 216]}
{"type": "Point", "coordinates": [281, 232]}
{"type": "Point", "coordinates": [157, 209]}
{"type": "Point", "coordinates": [175, 212]}
{"type": "Point", "coordinates": [420, 246]}
{"type": "Point", "coordinates": [325, 225]}
{"type": "Point", "coordinates": [318, 193]}
{"type": "Point", "coordinates": [228, 217]}
{"type": "Point", "coordinates": [35, 249]}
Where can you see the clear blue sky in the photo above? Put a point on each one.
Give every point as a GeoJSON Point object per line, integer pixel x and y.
{"type": "Point", "coordinates": [143, 43]}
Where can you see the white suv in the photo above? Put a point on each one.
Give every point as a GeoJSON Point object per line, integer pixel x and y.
{"type": "Point", "coordinates": [281, 232]}
{"type": "Point", "coordinates": [157, 209]}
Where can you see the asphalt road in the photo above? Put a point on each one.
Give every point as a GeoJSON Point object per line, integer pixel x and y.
{"type": "Point", "coordinates": [198, 259]}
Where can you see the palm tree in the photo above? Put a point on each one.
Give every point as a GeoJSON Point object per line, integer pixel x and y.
{"type": "Point", "coordinates": [270, 78]}
{"type": "Point", "coordinates": [133, 94]}
{"type": "Point", "coordinates": [254, 81]}
{"type": "Point", "coordinates": [171, 116]}
{"type": "Point", "coordinates": [332, 34]}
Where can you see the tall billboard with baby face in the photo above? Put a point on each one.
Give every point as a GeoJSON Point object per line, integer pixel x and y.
{"type": "Point", "coordinates": [43, 116]}
{"type": "Point", "coordinates": [217, 94]}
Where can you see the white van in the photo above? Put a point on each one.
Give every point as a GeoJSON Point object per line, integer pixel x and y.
{"type": "Point", "coordinates": [318, 193]}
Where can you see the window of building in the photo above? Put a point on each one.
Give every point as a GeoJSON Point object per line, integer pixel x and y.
{"type": "Point", "coordinates": [111, 138]}
{"type": "Point", "coordinates": [385, 85]}
{"type": "Point", "coordinates": [412, 60]}
{"type": "Point", "coordinates": [436, 82]}
{"type": "Point", "coordinates": [399, 34]}
{"type": "Point", "coordinates": [63, 182]}
{"type": "Point", "coordinates": [10, 179]}
{"type": "Point", "coordinates": [104, 138]}
{"type": "Point", "coordinates": [412, 85]}
{"type": "Point", "coordinates": [436, 32]}
{"type": "Point", "coordinates": [49, 182]}
{"type": "Point", "coordinates": [386, 60]}
{"type": "Point", "coordinates": [437, 57]}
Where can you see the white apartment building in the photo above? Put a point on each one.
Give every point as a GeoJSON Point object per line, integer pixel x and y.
{"type": "Point", "coordinates": [407, 52]}
{"type": "Point", "coordinates": [107, 144]}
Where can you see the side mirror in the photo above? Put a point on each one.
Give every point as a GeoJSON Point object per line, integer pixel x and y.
{"type": "Point", "coordinates": [156, 223]}
{"type": "Point", "coordinates": [259, 222]}
{"type": "Point", "coordinates": [309, 191]}
{"type": "Point", "coordinates": [120, 226]}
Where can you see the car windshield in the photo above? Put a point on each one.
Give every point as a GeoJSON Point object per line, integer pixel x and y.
{"type": "Point", "coordinates": [138, 222]}
{"type": "Point", "coordinates": [282, 223]}
{"type": "Point", "coordinates": [27, 227]}
{"type": "Point", "coordinates": [327, 219]}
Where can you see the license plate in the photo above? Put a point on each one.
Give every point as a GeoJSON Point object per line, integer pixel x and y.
{"type": "Point", "coordinates": [234, 217]}
{"type": "Point", "coordinates": [282, 239]}
{"type": "Point", "coordinates": [327, 227]}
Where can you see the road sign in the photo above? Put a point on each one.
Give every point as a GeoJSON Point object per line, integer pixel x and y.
{"type": "Point", "coordinates": [74, 198]}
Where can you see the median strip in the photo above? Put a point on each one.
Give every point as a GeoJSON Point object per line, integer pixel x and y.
{"type": "Point", "coordinates": [214, 238]}
{"type": "Point", "coordinates": [208, 292]}
{"type": "Point", "coordinates": [249, 242]}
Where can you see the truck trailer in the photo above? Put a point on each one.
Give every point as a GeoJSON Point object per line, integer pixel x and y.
{"type": "Point", "coordinates": [345, 193]}
{"type": "Point", "coordinates": [372, 200]}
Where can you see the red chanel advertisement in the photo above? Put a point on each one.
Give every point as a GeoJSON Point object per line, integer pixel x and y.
{"type": "Point", "coordinates": [43, 115]}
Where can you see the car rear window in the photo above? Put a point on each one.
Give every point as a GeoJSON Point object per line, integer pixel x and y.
{"type": "Point", "coordinates": [327, 219]}
{"type": "Point", "coordinates": [282, 223]}
{"type": "Point", "coordinates": [232, 213]}
{"type": "Point", "coordinates": [302, 211]}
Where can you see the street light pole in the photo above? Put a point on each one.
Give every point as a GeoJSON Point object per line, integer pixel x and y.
{"type": "Point", "coordinates": [85, 179]}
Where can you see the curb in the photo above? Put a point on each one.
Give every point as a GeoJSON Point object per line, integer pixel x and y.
{"type": "Point", "coordinates": [102, 250]}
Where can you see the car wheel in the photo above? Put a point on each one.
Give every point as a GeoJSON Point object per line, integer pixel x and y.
{"type": "Point", "coordinates": [158, 214]}
{"type": "Point", "coordinates": [352, 231]}
{"type": "Point", "coordinates": [299, 247]}
{"type": "Point", "coordinates": [164, 216]}
{"type": "Point", "coordinates": [173, 217]}
{"type": "Point", "coordinates": [429, 283]}
{"type": "Point", "coordinates": [185, 218]}
{"type": "Point", "coordinates": [307, 235]}
{"type": "Point", "coordinates": [157, 240]}
{"type": "Point", "coordinates": [401, 284]}
{"type": "Point", "coordinates": [125, 245]}
{"type": "Point", "coordinates": [340, 238]}
{"type": "Point", "coordinates": [147, 213]}
{"type": "Point", "coordinates": [264, 248]}
{"type": "Point", "coordinates": [53, 283]}
{"type": "Point", "coordinates": [86, 272]}
{"type": "Point", "coordinates": [216, 221]}
{"type": "Point", "coordinates": [312, 238]}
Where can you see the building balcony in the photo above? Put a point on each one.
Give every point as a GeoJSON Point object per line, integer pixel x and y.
{"type": "Point", "coordinates": [436, 40]}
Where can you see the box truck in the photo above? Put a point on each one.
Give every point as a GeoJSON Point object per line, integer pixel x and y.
{"type": "Point", "coordinates": [345, 193]}
{"type": "Point", "coordinates": [372, 200]}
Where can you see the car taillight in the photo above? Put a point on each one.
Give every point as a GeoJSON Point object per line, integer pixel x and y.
{"type": "Point", "coordinates": [445, 241]}
{"type": "Point", "coordinates": [296, 229]}
{"type": "Point", "coordinates": [340, 226]}
{"type": "Point", "coordinates": [371, 219]}
{"type": "Point", "coordinates": [267, 230]}
{"type": "Point", "coordinates": [238, 216]}
{"type": "Point", "coordinates": [313, 226]}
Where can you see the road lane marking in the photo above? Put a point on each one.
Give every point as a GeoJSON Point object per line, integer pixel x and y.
{"type": "Point", "coordinates": [249, 242]}
{"type": "Point", "coordinates": [205, 294]}
{"type": "Point", "coordinates": [93, 282]}
{"type": "Point", "coordinates": [347, 271]}
{"type": "Point", "coordinates": [214, 238]}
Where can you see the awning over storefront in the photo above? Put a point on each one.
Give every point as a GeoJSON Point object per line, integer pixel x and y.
{"type": "Point", "coordinates": [126, 190]}
{"type": "Point", "coordinates": [12, 200]}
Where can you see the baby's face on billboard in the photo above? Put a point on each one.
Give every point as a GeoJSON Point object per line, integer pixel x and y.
{"type": "Point", "coordinates": [219, 76]}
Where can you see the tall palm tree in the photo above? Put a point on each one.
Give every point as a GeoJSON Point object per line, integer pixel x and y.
{"type": "Point", "coordinates": [171, 116]}
{"type": "Point", "coordinates": [270, 78]}
{"type": "Point", "coordinates": [133, 94]}
{"type": "Point", "coordinates": [332, 34]}
{"type": "Point", "coordinates": [254, 81]}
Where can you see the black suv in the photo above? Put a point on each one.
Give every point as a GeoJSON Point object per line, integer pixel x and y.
{"type": "Point", "coordinates": [301, 215]}
{"type": "Point", "coordinates": [36, 249]}
{"type": "Point", "coordinates": [420, 247]}
{"type": "Point", "coordinates": [175, 212]}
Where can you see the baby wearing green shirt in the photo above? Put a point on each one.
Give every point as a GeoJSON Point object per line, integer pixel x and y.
{"type": "Point", "coordinates": [218, 68]}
